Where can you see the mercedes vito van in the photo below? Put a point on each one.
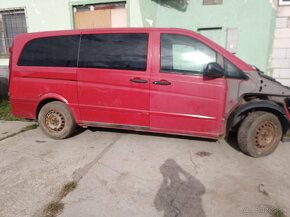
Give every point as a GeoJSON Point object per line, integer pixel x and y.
{"type": "Point", "coordinates": [164, 80]}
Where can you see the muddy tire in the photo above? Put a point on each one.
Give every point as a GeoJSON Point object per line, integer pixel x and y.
{"type": "Point", "coordinates": [259, 134]}
{"type": "Point", "coordinates": [56, 120]}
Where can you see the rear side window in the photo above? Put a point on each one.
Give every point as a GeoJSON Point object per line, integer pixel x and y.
{"type": "Point", "coordinates": [115, 51]}
{"type": "Point", "coordinates": [58, 51]}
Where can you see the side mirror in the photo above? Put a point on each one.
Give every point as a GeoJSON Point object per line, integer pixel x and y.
{"type": "Point", "coordinates": [214, 70]}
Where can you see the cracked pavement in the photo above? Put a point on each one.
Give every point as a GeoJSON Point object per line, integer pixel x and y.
{"type": "Point", "coordinates": [122, 173]}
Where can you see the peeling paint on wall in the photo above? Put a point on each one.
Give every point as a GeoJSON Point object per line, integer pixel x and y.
{"type": "Point", "coordinates": [274, 4]}
{"type": "Point", "coordinates": [150, 22]}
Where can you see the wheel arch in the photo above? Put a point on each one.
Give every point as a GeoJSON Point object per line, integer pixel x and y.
{"type": "Point", "coordinates": [44, 102]}
{"type": "Point", "coordinates": [56, 118]}
{"type": "Point", "coordinates": [242, 111]}
{"type": "Point", "coordinates": [47, 98]}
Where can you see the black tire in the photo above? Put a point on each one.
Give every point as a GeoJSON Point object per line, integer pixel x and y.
{"type": "Point", "coordinates": [259, 134]}
{"type": "Point", "coordinates": [56, 120]}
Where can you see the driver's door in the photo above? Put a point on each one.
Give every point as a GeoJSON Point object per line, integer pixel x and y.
{"type": "Point", "coordinates": [182, 100]}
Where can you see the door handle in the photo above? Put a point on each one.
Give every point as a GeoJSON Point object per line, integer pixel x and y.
{"type": "Point", "coordinates": [162, 82]}
{"type": "Point", "coordinates": [138, 80]}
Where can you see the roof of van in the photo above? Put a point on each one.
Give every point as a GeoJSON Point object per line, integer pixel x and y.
{"type": "Point", "coordinates": [130, 29]}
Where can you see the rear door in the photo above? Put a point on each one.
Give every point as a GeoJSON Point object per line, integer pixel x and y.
{"type": "Point", "coordinates": [183, 100]}
{"type": "Point", "coordinates": [113, 79]}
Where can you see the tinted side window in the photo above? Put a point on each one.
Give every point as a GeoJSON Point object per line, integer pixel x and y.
{"type": "Point", "coordinates": [232, 71]}
{"type": "Point", "coordinates": [184, 54]}
{"type": "Point", "coordinates": [115, 51]}
{"type": "Point", "coordinates": [58, 51]}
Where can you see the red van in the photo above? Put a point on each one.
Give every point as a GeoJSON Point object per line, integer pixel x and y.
{"type": "Point", "coordinates": [164, 80]}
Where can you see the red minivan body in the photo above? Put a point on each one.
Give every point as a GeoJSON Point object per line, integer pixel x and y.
{"type": "Point", "coordinates": [147, 79]}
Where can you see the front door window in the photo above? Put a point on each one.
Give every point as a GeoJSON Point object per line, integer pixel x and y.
{"type": "Point", "coordinates": [182, 54]}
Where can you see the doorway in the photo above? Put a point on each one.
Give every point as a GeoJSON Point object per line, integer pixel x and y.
{"type": "Point", "coordinates": [100, 16]}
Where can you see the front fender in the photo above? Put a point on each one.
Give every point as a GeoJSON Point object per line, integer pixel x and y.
{"type": "Point", "coordinates": [262, 105]}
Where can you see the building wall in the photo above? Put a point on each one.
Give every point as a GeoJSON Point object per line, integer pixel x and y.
{"type": "Point", "coordinates": [45, 15]}
{"type": "Point", "coordinates": [280, 63]}
{"type": "Point", "coordinates": [254, 20]}
{"type": "Point", "coordinates": [40, 16]}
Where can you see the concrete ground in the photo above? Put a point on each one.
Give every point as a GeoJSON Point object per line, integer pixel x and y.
{"type": "Point", "coordinates": [9, 128]}
{"type": "Point", "coordinates": [123, 173]}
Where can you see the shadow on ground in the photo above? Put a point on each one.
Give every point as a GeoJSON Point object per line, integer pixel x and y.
{"type": "Point", "coordinates": [232, 141]}
{"type": "Point", "coordinates": [95, 129]}
{"type": "Point", "coordinates": [180, 193]}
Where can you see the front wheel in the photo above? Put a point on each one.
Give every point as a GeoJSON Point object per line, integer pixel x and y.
{"type": "Point", "coordinates": [259, 134]}
{"type": "Point", "coordinates": [56, 120]}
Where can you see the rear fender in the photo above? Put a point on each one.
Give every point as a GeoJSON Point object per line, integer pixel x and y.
{"type": "Point", "coordinates": [53, 96]}
{"type": "Point", "coordinates": [46, 98]}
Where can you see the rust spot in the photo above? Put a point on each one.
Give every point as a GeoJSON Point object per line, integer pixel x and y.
{"type": "Point", "coordinates": [203, 154]}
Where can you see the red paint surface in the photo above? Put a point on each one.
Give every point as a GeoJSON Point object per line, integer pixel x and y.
{"type": "Point", "coordinates": [190, 105]}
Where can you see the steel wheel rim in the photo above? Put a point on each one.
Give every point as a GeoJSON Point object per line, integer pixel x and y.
{"type": "Point", "coordinates": [54, 121]}
{"type": "Point", "coordinates": [265, 136]}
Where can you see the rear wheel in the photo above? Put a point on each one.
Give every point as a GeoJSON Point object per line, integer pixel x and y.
{"type": "Point", "coordinates": [259, 134]}
{"type": "Point", "coordinates": [56, 120]}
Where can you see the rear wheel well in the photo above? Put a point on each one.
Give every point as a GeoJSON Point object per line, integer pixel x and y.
{"type": "Point", "coordinates": [42, 103]}
{"type": "Point", "coordinates": [56, 120]}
